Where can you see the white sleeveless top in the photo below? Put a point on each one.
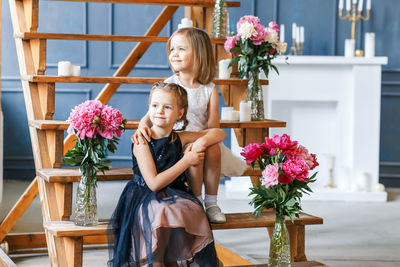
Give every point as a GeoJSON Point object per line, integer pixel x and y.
{"type": "Point", "coordinates": [198, 99]}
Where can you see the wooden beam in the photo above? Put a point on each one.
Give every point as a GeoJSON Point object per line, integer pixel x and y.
{"type": "Point", "coordinates": [19, 208]}
{"type": "Point", "coordinates": [229, 258]}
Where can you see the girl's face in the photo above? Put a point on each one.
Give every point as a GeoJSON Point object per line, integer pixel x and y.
{"type": "Point", "coordinates": [163, 109]}
{"type": "Point", "coordinates": [181, 54]}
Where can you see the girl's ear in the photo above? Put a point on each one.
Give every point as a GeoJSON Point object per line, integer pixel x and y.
{"type": "Point", "coordinates": [180, 113]}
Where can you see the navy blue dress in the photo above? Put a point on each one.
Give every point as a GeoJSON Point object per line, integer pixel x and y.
{"type": "Point", "coordinates": [168, 225]}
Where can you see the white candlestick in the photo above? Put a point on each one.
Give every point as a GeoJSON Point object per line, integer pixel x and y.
{"type": "Point", "coordinates": [64, 68]}
{"type": "Point", "coordinates": [354, 1]}
{"type": "Point", "coordinates": [294, 26]}
{"type": "Point", "coordinates": [348, 5]}
{"type": "Point", "coordinates": [245, 111]}
{"type": "Point", "coordinates": [340, 4]}
{"type": "Point", "coordinates": [282, 34]}
{"type": "Point", "coordinates": [302, 34]}
{"type": "Point", "coordinates": [349, 47]}
{"type": "Point", "coordinates": [298, 36]}
{"type": "Point", "coordinates": [368, 4]}
{"type": "Point", "coordinates": [360, 5]}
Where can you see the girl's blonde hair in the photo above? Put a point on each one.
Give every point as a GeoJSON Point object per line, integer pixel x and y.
{"type": "Point", "coordinates": [181, 97]}
{"type": "Point", "coordinates": [203, 57]}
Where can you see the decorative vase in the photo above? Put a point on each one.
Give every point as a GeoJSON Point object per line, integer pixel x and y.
{"type": "Point", "coordinates": [254, 94]}
{"type": "Point", "coordinates": [220, 26]}
{"type": "Point", "coordinates": [86, 202]}
{"type": "Point", "coordinates": [279, 250]}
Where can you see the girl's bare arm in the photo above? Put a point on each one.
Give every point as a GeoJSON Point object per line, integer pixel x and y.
{"type": "Point", "coordinates": [213, 113]}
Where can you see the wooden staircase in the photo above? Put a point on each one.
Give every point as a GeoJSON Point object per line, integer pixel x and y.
{"type": "Point", "coordinates": [54, 184]}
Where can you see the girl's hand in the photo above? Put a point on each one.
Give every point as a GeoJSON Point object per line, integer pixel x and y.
{"type": "Point", "coordinates": [140, 134]}
{"type": "Point", "coordinates": [199, 146]}
{"type": "Point", "coordinates": [193, 157]}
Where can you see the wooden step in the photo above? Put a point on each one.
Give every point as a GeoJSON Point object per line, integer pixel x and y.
{"type": "Point", "coordinates": [133, 124]}
{"type": "Point", "coordinates": [120, 80]}
{"type": "Point", "coordinates": [200, 3]}
{"type": "Point", "coordinates": [70, 175]}
{"type": "Point", "coordinates": [233, 221]}
{"type": "Point", "coordinates": [99, 37]}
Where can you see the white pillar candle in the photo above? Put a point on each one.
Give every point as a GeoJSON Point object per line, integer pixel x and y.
{"type": "Point", "coordinates": [294, 26]}
{"type": "Point", "coordinates": [76, 71]}
{"type": "Point", "coordinates": [64, 68]}
{"type": "Point", "coordinates": [360, 5]}
{"type": "Point", "coordinates": [349, 47]}
{"type": "Point", "coordinates": [354, 1]}
{"type": "Point", "coordinates": [302, 34]}
{"type": "Point", "coordinates": [298, 36]}
{"type": "Point", "coordinates": [225, 113]}
{"type": "Point", "coordinates": [348, 5]}
{"type": "Point", "coordinates": [368, 4]}
{"type": "Point", "coordinates": [245, 111]}
{"type": "Point", "coordinates": [224, 71]}
{"type": "Point", "coordinates": [282, 34]}
{"type": "Point", "coordinates": [340, 4]}
{"type": "Point", "coordinates": [369, 44]}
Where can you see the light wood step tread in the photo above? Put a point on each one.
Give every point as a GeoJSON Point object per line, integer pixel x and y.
{"type": "Point", "coordinates": [202, 3]}
{"type": "Point", "coordinates": [133, 124]}
{"type": "Point", "coordinates": [120, 80]}
{"type": "Point", "coordinates": [70, 175]}
{"type": "Point", "coordinates": [233, 221]}
{"type": "Point", "coordinates": [100, 37]}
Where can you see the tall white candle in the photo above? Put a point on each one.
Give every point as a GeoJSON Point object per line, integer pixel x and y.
{"type": "Point", "coordinates": [340, 4]}
{"type": "Point", "coordinates": [369, 44]}
{"type": "Point", "coordinates": [368, 4]}
{"type": "Point", "coordinates": [302, 34]}
{"type": "Point", "coordinates": [294, 26]}
{"type": "Point", "coordinates": [224, 72]}
{"type": "Point", "coordinates": [348, 5]}
{"type": "Point", "coordinates": [245, 111]}
{"type": "Point", "coordinates": [282, 34]}
{"type": "Point", "coordinates": [298, 36]}
{"type": "Point", "coordinates": [360, 5]}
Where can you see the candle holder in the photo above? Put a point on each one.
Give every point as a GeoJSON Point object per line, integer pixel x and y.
{"type": "Point", "coordinates": [297, 48]}
{"type": "Point", "coordinates": [353, 16]}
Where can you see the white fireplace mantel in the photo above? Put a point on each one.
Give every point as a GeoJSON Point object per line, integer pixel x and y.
{"type": "Point", "coordinates": [332, 106]}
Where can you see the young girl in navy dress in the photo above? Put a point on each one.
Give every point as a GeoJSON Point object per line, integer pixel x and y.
{"type": "Point", "coordinates": [157, 221]}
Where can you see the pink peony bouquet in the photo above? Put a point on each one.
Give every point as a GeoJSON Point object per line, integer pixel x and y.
{"type": "Point", "coordinates": [285, 176]}
{"type": "Point", "coordinates": [254, 46]}
{"type": "Point", "coordinates": [98, 128]}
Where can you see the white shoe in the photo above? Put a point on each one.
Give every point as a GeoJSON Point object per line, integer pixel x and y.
{"type": "Point", "coordinates": [214, 214]}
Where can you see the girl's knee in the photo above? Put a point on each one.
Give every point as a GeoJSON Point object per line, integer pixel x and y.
{"type": "Point", "coordinates": [213, 151]}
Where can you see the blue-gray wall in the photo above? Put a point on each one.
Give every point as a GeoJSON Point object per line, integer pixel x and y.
{"type": "Point", "coordinates": [324, 35]}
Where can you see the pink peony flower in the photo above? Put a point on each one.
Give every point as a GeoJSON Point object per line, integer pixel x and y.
{"type": "Point", "coordinates": [260, 33]}
{"type": "Point", "coordinates": [250, 19]}
{"type": "Point", "coordinates": [229, 44]}
{"type": "Point", "coordinates": [295, 167]}
{"type": "Point", "coordinates": [270, 175]}
{"type": "Point", "coordinates": [82, 117]}
{"type": "Point", "coordinates": [251, 152]}
{"type": "Point", "coordinates": [268, 150]}
{"type": "Point", "coordinates": [310, 159]}
{"type": "Point", "coordinates": [111, 119]}
{"type": "Point", "coordinates": [273, 25]}
{"type": "Point", "coordinates": [283, 142]}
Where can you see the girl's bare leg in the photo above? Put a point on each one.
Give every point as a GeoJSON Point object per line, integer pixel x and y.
{"type": "Point", "coordinates": [195, 176]}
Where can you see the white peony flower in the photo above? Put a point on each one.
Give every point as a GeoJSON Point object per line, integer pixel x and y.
{"type": "Point", "coordinates": [247, 30]}
{"type": "Point", "coordinates": [271, 35]}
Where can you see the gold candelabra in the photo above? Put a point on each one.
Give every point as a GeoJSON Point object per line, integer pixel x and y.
{"type": "Point", "coordinates": [353, 16]}
{"type": "Point", "coordinates": [297, 48]}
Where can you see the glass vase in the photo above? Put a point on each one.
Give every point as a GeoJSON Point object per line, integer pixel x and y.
{"type": "Point", "coordinates": [220, 25]}
{"type": "Point", "coordinates": [254, 94]}
{"type": "Point", "coordinates": [86, 201]}
{"type": "Point", "coordinates": [279, 250]}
